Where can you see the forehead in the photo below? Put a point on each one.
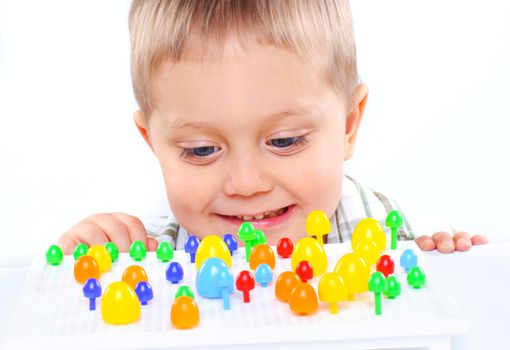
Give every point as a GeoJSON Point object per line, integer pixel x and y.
{"type": "Point", "coordinates": [241, 81]}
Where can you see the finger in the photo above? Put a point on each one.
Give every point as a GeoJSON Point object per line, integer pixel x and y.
{"type": "Point", "coordinates": [152, 244]}
{"type": "Point", "coordinates": [115, 229]}
{"type": "Point", "coordinates": [67, 244]}
{"type": "Point", "coordinates": [444, 242]}
{"type": "Point", "coordinates": [462, 241]}
{"type": "Point", "coordinates": [135, 227]}
{"type": "Point", "coordinates": [479, 239]}
{"type": "Point", "coordinates": [89, 233]}
{"type": "Point", "coordinates": [425, 243]}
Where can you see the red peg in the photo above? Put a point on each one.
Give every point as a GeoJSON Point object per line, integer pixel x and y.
{"type": "Point", "coordinates": [304, 270]}
{"type": "Point", "coordinates": [284, 248]}
{"type": "Point", "coordinates": [244, 283]}
{"type": "Point", "coordinates": [385, 265]}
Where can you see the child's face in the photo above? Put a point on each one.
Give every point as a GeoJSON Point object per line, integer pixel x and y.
{"type": "Point", "coordinates": [256, 134]}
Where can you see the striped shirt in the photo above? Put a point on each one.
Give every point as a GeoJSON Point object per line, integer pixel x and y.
{"type": "Point", "coordinates": [357, 202]}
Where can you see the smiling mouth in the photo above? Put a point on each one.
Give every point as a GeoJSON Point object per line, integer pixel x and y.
{"type": "Point", "coordinates": [260, 216]}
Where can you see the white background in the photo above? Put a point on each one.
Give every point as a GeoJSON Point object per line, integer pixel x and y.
{"type": "Point", "coordinates": [435, 134]}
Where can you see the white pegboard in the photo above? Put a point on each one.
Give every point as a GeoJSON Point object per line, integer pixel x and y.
{"type": "Point", "coordinates": [52, 313]}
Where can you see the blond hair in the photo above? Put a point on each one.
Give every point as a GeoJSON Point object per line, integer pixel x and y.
{"type": "Point", "coordinates": [318, 31]}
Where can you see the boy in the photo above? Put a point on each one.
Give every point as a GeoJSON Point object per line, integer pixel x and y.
{"type": "Point", "coordinates": [251, 107]}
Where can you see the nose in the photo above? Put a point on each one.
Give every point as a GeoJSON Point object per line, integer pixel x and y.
{"type": "Point", "coordinates": [246, 177]}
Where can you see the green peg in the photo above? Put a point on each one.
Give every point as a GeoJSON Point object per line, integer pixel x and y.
{"type": "Point", "coordinates": [113, 250]}
{"type": "Point", "coordinates": [394, 222]}
{"type": "Point", "coordinates": [377, 285]}
{"type": "Point", "coordinates": [260, 238]}
{"type": "Point", "coordinates": [247, 234]}
{"type": "Point", "coordinates": [80, 250]}
{"type": "Point", "coordinates": [165, 252]}
{"type": "Point", "coordinates": [416, 277]}
{"type": "Point", "coordinates": [138, 251]}
{"type": "Point", "coordinates": [184, 291]}
{"type": "Point", "coordinates": [393, 287]}
{"type": "Point", "coordinates": [54, 255]}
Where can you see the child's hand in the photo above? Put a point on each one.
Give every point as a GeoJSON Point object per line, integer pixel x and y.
{"type": "Point", "coordinates": [121, 229]}
{"type": "Point", "coordinates": [445, 243]}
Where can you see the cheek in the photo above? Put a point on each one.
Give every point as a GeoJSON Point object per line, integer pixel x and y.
{"type": "Point", "coordinates": [319, 183]}
{"type": "Point", "coordinates": [186, 190]}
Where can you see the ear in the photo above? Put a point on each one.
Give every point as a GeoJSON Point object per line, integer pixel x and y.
{"type": "Point", "coordinates": [141, 124]}
{"type": "Point", "coordinates": [353, 120]}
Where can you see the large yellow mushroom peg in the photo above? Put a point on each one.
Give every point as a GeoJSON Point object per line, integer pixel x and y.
{"type": "Point", "coordinates": [332, 290]}
{"type": "Point", "coordinates": [318, 225]}
{"type": "Point", "coordinates": [119, 304]}
{"type": "Point", "coordinates": [355, 272]}
{"type": "Point", "coordinates": [369, 229]}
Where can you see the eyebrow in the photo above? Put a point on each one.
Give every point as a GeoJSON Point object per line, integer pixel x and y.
{"type": "Point", "coordinates": [299, 110]}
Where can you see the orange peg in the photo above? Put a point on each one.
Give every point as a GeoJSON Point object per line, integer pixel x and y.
{"type": "Point", "coordinates": [285, 283]}
{"type": "Point", "coordinates": [134, 274]}
{"type": "Point", "coordinates": [86, 267]}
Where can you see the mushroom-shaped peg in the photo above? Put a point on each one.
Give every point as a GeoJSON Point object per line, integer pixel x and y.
{"type": "Point", "coordinates": [144, 292]}
{"type": "Point", "coordinates": [54, 255]}
{"type": "Point", "coordinates": [285, 283]}
{"type": "Point", "coordinates": [367, 249]}
{"type": "Point", "coordinates": [165, 252]}
{"type": "Point", "coordinates": [80, 250]}
{"type": "Point", "coordinates": [92, 290]}
{"type": "Point", "coordinates": [184, 291]}
{"type": "Point", "coordinates": [386, 265]}
{"type": "Point", "coordinates": [208, 285]}
{"type": "Point", "coordinates": [370, 229]}
{"type": "Point", "coordinates": [318, 225]}
{"type": "Point", "coordinates": [174, 272]}
{"type": "Point", "coordinates": [101, 256]}
{"type": "Point", "coordinates": [133, 275]}
{"type": "Point", "coordinates": [284, 248]}
{"type": "Point", "coordinates": [262, 254]}
{"type": "Point", "coordinates": [246, 233]}
{"type": "Point", "coordinates": [304, 270]}
{"type": "Point", "coordinates": [355, 272]}
{"type": "Point", "coordinates": [225, 281]}
{"type": "Point", "coordinates": [393, 287]}
{"type": "Point", "coordinates": [191, 247]}
{"type": "Point", "coordinates": [309, 249]}
{"type": "Point", "coordinates": [86, 267]}
{"type": "Point", "coordinates": [231, 242]}
{"type": "Point", "coordinates": [112, 249]}
{"type": "Point", "coordinates": [394, 222]}
{"type": "Point", "coordinates": [303, 299]}
{"type": "Point", "coordinates": [260, 238]}
{"type": "Point", "coordinates": [138, 250]}
{"type": "Point", "coordinates": [184, 313]}
{"type": "Point", "coordinates": [263, 275]}
{"type": "Point", "coordinates": [416, 277]}
{"type": "Point", "coordinates": [408, 259]}
{"type": "Point", "coordinates": [377, 285]}
{"type": "Point", "coordinates": [332, 290]}
{"type": "Point", "coordinates": [212, 247]}
{"type": "Point", "coordinates": [120, 304]}
{"type": "Point", "coordinates": [244, 283]}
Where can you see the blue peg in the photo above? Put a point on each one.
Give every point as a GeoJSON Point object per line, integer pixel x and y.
{"type": "Point", "coordinates": [174, 272]}
{"type": "Point", "coordinates": [92, 290]}
{"type": "Point", "coordinates": [191, 247]}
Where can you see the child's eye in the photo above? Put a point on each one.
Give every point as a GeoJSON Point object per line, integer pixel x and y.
{"type": "Point", "coordinates": [199, 154]}
{"type": "Point", "coordinates": [287, 145]}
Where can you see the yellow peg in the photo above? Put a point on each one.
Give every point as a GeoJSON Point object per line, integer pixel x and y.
{"type": "Point", "coordinates": [318, 225]}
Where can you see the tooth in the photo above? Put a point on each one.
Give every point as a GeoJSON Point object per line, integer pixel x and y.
{"type": "Point", "coordinates": [271, 214]}
{"type": "Point", "coordinates": [259, 216]}
{"type": "Point", "coordinates": [247, 217]}
{"type": "Point", "coordinates": [239, 217]}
